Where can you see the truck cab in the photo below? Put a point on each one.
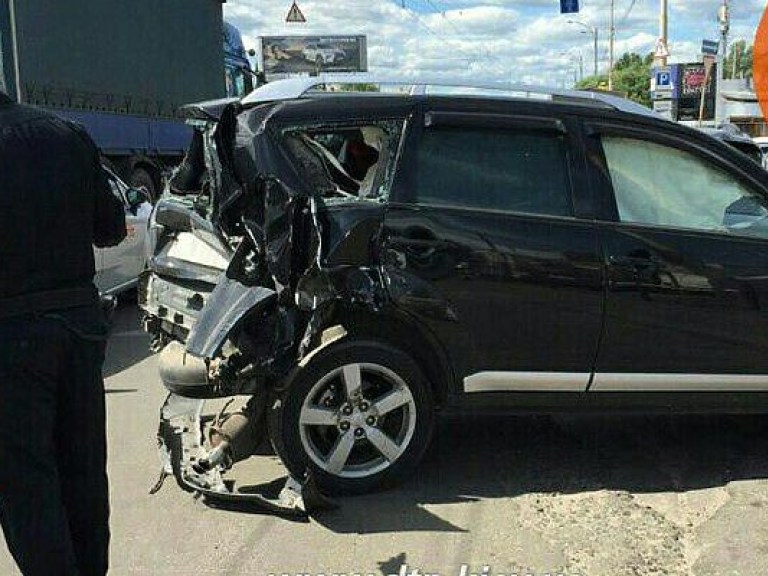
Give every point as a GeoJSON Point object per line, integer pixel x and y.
{"type": "Point", "coordinates": [237, 68]}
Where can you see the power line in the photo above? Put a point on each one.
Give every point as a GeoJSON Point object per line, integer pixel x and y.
{"type": "Point", "coordinates": [627, 13]}
{"type": "Point", "coordinates": [442, 12]}
{"type": "Point", "coordinates": [487, 54]}
{"type": "Point", "coordinates": [412, 14]}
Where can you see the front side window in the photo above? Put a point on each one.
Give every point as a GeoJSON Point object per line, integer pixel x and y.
{"type": "Point", "coordinates": [665, 186]}
{"type": "Point", "coordinates": [510, 170]}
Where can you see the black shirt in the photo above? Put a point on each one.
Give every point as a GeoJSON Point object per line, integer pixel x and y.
{"type": "Point", "coordinates": [55, 205]}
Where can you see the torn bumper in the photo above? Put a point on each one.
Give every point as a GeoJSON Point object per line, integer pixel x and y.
{"type": "Point", "coordinates": [196, 470]}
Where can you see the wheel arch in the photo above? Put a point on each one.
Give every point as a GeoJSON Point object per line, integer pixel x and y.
{"type": "Point", "coordinates": [154, 172]}
{"type": "Point", "coordinates": [124, 166]}
{"type": "Point", "coordinates": [397, 331]}
{"type": "Point", "coordinates": [283, 416]}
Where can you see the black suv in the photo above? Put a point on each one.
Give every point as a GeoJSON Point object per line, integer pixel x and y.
{"type": "Point", "coordinates": [356, 263]}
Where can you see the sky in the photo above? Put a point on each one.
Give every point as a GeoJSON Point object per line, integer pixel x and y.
{"type": "Point", "coordinates": [517, 41]}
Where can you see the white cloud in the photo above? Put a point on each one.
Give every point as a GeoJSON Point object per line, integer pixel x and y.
{"type": "Point", "coordinates": [503, 40]}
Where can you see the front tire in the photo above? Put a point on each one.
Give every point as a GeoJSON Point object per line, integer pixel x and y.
{"type": "Point", "coordinates": [359, 415]}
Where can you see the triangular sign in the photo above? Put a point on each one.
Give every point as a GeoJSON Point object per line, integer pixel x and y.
{"type": "Point", "coordinates": [294, 14]}
{"type": "Point", "coordinates": [661, 49]}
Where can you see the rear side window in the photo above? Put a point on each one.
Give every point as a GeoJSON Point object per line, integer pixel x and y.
{"type": "Point", "coordinates": [665, 186]}
{"type": "Point", "coordinates": [515, 171]}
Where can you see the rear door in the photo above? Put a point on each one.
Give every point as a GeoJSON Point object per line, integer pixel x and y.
{"type": "Point", "coordinates": [687, 260]}
{"type": "Point", "coordinates": [484, 243]}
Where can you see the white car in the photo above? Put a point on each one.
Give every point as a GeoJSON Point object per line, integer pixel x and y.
{"type": "Point", "coordinates": [762, 142]}
{"type": "Point", "coordinates": [323, 53]}
{"type": "Point", "coordinates": [118, 267]}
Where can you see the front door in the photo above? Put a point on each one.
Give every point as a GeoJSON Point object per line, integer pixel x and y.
{"type": "Point", "coordinates": [687, 260]}
{"type": "Point", "coordinates": [482, 243]}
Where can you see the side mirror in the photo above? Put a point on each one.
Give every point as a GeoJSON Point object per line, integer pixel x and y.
{"type": "Point", "coordinates": [108, 307]}
{"type": "Point", "coordinates": [746, 214]}
{"type": "Point", "coordinates": [136, 197]}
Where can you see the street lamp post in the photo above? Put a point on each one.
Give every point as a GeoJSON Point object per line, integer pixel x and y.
{"type": "Point", "coordinates": [592, 30]}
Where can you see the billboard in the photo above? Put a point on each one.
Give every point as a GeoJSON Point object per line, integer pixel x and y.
{"type": "Point", "coordinates": [313, 54]}
{"type": "Point", "coordinates": [687, 85]}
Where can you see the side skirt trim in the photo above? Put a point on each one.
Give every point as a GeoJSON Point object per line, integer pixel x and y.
{"type": "Point", "coordinates": [628, 382]}
{"type": "Point", "coordinates": [527, 382]}
{"type": "Point", "coordinates": [500, 381]}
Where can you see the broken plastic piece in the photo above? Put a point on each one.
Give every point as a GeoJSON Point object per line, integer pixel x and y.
{"type": "Point", "coordinates": [198, 471]}
{"type": "Point", "coordinates": [159, 484]}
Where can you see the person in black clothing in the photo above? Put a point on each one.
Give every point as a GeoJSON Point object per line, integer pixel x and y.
{"type": "Point", "coordinates": [55, 204]}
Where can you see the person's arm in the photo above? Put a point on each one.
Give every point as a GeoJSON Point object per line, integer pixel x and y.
{"type": "Point", "coordinates": [108, 214]}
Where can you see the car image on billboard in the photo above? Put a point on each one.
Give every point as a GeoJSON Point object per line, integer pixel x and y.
{"type": "Point", "coordinates": [283, 55]}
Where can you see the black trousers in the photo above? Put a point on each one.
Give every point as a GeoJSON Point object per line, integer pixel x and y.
{"type": "Point", "coordinates": [54, 506]}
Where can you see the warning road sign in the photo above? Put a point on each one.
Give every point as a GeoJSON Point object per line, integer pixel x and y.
{"type": "Point", "coordinates": [294, 14]}
{"type": "Point", "coordinates": [662, 51]}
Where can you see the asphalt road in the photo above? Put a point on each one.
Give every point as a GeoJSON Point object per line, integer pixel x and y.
{"type": "Point", "coordinates": [577, 496]}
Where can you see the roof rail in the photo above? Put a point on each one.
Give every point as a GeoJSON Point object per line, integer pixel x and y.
{"type": "Point", "coordinates": [293, 88]}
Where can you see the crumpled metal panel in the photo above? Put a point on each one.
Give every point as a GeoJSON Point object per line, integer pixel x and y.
{"type": "Point", "coordinates": [269, 188]}
{"type": "Point", "coordinates": [227, 305]}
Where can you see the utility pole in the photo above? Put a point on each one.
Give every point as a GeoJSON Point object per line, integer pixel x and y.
{"type": "Point", "coordinates": [594, 34]}
{"type": "Point", "coordinates": [15, 49]}
{"type": "Point", "coordinates": [663, 31]}
{"type": "Point", "coordinates": [724, 19]}
{"type": "Point", "coordinates": [611, 38]}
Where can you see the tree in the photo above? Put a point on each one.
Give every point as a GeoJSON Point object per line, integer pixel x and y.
{"type": "Point", "coordinates": [739, 54]}
{"type": "Point", "coordinates": [631, 76]}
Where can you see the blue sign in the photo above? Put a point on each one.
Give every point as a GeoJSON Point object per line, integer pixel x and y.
{"type": "Point", "coordinates": [710, 47]}
{"type": "Point", "coordinates": [569, 6]}
{"type": "Point", "coordinates": [663, 79]}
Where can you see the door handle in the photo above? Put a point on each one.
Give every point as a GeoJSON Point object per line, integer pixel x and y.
{"type": "Point", "coordinates": [645, 267]}
{"type": "Point", "coordinates": [630, 261]}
